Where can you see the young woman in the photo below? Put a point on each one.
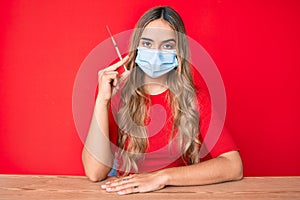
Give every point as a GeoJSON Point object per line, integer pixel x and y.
{"type": "Point", "coordinates": [162, 119]}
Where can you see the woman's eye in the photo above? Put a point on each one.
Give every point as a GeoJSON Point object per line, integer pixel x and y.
{"type": "Point", "coordinates": [146, 44]}
{"type": "Point", "coordinates": [168, 46]}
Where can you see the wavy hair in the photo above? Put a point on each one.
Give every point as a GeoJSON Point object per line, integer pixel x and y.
{"type": "Point", "coordinates": [132, 136]}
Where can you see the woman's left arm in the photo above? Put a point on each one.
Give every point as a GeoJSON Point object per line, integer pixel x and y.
{"type": "Point", "coordinates": [226, 167]}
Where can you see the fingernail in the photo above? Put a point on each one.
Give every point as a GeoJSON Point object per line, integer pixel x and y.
{"type": "Point", "coordinates": [107, 183]}
{"type": "Point", "coordinates": [103, 186]}
{"type": "Point", "coordinates": [108, 189]}
{"type": "Point", "coordinates": [121, 193]}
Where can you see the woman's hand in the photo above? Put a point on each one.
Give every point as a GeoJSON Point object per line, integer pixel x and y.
{"type": "Point", "coordinates": [109, 80]}
{"type": "Point", "coordinates": [146, 182]}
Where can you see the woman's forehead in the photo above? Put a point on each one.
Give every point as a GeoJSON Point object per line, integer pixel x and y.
{"type": "Point", "coordinates": [158, 30]}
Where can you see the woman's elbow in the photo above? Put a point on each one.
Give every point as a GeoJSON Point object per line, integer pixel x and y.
{"type": "Point", "coordinates": [94, 170]}
{"type": "Point", "coordinates": [96, 173]}
{"type": "Point", "coordinates": [95, 177]}
{"type": "Point", "coordinates": [239, 173]}
{"type": "Point", "coordinates": [237, 168]}
{"type": "Point", "coordinates": [234, 165]}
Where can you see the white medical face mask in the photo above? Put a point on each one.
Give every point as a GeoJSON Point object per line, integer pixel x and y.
{"type": "Point", "coordinates": [156, 63]}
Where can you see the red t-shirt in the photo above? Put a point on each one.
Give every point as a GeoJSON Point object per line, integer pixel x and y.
{"type": "Point", "coordinates": [159, 153]}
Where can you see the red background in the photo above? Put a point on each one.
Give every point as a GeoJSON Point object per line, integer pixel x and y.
{"type": "Point", "coordinates": [255, 45]}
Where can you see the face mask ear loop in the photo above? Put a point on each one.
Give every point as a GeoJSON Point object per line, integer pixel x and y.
{"type": "Point", "coordinates": [179, 63]}
{"type": "Point", "coordinates": [175, 68]}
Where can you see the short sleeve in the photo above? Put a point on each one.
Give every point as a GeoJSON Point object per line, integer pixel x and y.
{"type": "Point", "coordinates": [225, 142]}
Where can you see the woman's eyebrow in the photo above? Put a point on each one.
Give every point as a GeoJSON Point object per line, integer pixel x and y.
{"type": "Point", "coordinates": [168, 40]}
{"type": "Point", "coordinates": [147, 39]}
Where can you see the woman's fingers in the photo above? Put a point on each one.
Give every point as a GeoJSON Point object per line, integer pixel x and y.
{"type": "Point", "coordinates": [109, 77]}
{"type": "Point", "coordinates": [121, 186]}
{"type": "Point", "coordinates": [137, 183]}
{"type": "Point", "coordinates": [109, 81]}
{"type": "Point", "coordinates": [130, 190]}
{"type": "Point", "coordinates": [106, 82]}
{"type": "Point", "coordinates": [124, 75]}
{"type": "Point", "coordinates": [118, 64]}
{"type": "Point", "coordinates": [119, 82]}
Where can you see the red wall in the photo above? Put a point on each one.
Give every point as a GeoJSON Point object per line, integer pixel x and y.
{"type": "Point", "coordinates": [255, 45]}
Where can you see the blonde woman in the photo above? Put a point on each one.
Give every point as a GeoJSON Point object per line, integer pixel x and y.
{"type": "Point", "coordinates": [157, 131]}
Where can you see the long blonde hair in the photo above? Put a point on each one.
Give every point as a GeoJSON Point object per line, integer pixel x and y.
{"type": "Point", "coordinates": [133, 139]}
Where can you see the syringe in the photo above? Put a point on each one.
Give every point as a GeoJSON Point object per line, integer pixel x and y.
{"type": "Point", "coordinates": [116, 46]}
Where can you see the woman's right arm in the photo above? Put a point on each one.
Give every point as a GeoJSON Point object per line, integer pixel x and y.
{"type": "Point", "coordinates": [97, 157]}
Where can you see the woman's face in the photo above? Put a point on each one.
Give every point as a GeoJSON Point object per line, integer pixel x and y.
{"type": "Point", "coordinates": [158, 35]}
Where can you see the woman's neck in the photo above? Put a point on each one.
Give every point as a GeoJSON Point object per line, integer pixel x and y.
{"type": "Point", "coordinates": [155, 86]}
